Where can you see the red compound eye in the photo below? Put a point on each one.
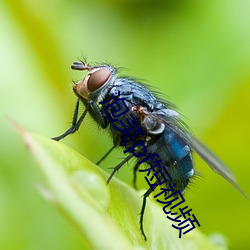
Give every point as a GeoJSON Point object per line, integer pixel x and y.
{"type": "Point", "coordinates": [97, 79]}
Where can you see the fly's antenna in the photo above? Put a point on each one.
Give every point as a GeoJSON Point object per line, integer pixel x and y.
{"type": "Point", "coordinates": [80, 66]}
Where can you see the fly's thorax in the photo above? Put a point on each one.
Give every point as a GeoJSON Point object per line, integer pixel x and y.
{"type": "Point", "coordinates": [93, 86]}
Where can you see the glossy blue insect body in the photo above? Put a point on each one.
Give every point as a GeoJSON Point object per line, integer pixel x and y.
{"type": "Point", "coordinates": [162, 130]}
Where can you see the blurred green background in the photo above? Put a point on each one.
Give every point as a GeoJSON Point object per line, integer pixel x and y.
{"type": "Point", "coordinates": [195, 52]}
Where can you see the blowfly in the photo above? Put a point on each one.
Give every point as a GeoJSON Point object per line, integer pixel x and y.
{"type": "Point", "coordinates": [160, 126]}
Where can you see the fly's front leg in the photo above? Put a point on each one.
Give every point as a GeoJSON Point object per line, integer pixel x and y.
{"type": "Point", "coordinates": [75, 124]}
{"type": "Point", "coordinates": [97, 114]}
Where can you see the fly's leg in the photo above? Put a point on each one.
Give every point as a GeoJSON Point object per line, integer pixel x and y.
{"type": "Point", "coordinates": [98, 115]}
{"type": "Point", "coordinates": [105, 155]}
{"type": "Point", "coordinates": [136, 167]}
{"type": "Point", "coordinates": [75, 124]}
{"type": "Point", "coordinates": [145, 196]}
{"type": "Point", "coordinates": [116, 168]}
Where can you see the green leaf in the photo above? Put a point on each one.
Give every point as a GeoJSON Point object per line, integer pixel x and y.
{"type": "Point", "coordinates": [106, 216]}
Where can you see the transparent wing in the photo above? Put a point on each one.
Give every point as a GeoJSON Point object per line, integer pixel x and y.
{"type": "Point", "coordinates": [175, 124]}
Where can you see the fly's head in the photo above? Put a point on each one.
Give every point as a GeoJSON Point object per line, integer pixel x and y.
{"type": "Point", "coordinates": [96, 80]}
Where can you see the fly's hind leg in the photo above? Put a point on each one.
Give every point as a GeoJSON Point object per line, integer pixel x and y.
{"type": "Point", "coordinates": [145, 196]}
{"type": "Point", "coordinates": [136, 167]}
